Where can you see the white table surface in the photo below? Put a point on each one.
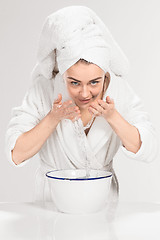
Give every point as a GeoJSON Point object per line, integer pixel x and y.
{"type": "Point", "coordinates": [137, 221]}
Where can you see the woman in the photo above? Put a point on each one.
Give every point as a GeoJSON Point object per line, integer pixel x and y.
{"type": "Point", "coordinates": [79, 79]}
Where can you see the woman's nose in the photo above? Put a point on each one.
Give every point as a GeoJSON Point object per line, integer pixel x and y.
{"type": "Point", "coordinates": [85, 92]}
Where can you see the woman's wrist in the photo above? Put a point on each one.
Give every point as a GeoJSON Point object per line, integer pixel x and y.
{"type": "Point", "coordinates": [52, 120]}
{"type": "Point", "coordinates": [112, 116]}
{"type": "Point", "coordinates": [128, 133]}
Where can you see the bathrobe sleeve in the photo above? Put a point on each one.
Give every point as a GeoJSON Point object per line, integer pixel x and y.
{"type": "Point", "coordinates": [136, 116]}
{"type": "Point", "coordinates": [24, 118]}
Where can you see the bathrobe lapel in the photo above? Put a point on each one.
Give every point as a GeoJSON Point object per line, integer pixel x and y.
{"type": "Point", "coordinates": [71, 145]}
{"type": "Point", "coordinates": [99, 134]}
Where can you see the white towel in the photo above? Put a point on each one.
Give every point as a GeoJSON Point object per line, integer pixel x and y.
{"type": "Point", "coordinates": [76, 32]}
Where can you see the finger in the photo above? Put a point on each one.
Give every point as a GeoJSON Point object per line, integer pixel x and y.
{"type": "Point", "coordinates": [72, 110]}
{"type": "Point", "coordinates": [102, 104]}
{"type": "Point", "coordinates": [109, 100]}
{"type": "Point", "coordinates": [94, 111]}
{"type": "Point", "coordinates": [67, 103]}
{"type": "Point", "coordinates": [97, 107]}
{"type": "Point", "coordinates": [60, 96]}
{"type": "Point", "coordinates": [59, 105]}
{"type": "Point", "coordinates": [74, 116]}
{"type": "Point", "coordinates": [59, 99]}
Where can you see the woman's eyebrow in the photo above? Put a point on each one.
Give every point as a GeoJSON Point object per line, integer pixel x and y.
{"type": "Point", "coordinates": [80, 81]}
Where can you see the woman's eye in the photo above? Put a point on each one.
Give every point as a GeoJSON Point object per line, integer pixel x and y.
{"type": "Point", "coordinates": [94, 82]}
{"type": "Point", "coordinates": [75, 83]}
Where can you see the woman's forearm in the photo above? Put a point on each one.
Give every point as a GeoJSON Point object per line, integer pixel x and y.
{"type": "Point", "coordinates": [29, 143]}
{"type": "Point", "coordinates": [128, 133]}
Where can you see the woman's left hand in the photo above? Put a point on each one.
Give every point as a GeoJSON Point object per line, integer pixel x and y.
{"type": "Point", "coordinates": [101, 108]}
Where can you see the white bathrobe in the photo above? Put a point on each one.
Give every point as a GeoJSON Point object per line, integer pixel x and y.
{"type": "Point", "coordinates": [61, 150]}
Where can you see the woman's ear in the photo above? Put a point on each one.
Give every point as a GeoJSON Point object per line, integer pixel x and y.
{"type": "Point", "coordinates": [106, 81]}
{"type": "Point", "coordinates": [107, 75]}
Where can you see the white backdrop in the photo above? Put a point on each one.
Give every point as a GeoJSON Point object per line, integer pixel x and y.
{"type": "Point", "coordinates": [135, 26]}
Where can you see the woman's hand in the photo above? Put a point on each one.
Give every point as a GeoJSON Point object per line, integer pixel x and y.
{"type": "Point", "coordinates": [101, 108]}
{"type": "Point", "coordinates": [65, 110]}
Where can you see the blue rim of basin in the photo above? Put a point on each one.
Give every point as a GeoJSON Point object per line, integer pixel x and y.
{"type": "Point", "coordinates": [77, 179]}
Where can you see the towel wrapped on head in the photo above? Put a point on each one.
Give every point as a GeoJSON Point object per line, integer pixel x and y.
{"type": "Point", "coordinates": [76, 32]}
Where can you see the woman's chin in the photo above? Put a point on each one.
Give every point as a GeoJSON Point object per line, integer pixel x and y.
{"type": "Point", "coordinates": [82, 106]}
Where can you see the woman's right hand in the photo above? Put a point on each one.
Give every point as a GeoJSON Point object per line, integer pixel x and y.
{"type": "Point", "coordinates": [65, 110]}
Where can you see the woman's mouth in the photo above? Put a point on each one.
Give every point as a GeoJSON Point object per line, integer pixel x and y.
{"type": "Point", "coordinates": [84, 100]}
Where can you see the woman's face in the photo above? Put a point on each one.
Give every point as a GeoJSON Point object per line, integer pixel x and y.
{"type": "Point", "coordinates": [84, 83]}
